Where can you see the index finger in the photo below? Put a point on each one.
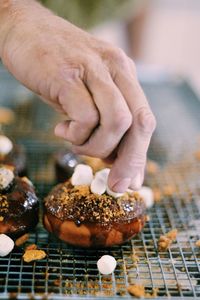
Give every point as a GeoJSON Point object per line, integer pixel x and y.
{"type": "Point", "coordinates": [129, 165]}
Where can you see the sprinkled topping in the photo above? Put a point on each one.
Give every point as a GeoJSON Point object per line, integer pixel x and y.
{"type": "Point", "coordinates": [6, 177]}
{"type": "Point", "coordinates": [81, 205]}
{"type": "Point", "coordinates": [5, 145]}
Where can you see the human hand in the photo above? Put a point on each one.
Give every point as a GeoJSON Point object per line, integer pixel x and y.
{"type": "Point", "coordinates": [93, 83]}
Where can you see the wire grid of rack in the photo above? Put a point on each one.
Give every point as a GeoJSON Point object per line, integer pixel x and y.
{"type": "Point", "coordinates": [71, 273]}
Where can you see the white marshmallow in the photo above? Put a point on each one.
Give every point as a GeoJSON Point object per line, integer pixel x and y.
{"type": "Point", "coordinates": [147, 194]}
{"type": "Point", "coordinates": [83, 175]}
{"type": "Point", "coordinates": [99, 183]}
{"type": "Point", "coordinates": [113, 194]}
{"type": "Point", "coordinates": [6, 177]}
{"type": "Point", "coordinates": [103, 174]}
{"type": "Point", "coordinates": [5, 145]}
{"type": "Point", "coordinates": [98, 186]}
{"type": "Point", "coordinates": [106, 264]}
{"type": "Point", "coordinates": [6, 245]}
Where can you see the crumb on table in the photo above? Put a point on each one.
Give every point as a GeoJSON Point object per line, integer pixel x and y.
{"type": "Point", "coordinates": [169, 190]}
{"type": "Point", "coordinates": [22, 239]}
{"type": "Point", "coordinates": [138, 291]}
{"type": "Point", "coordinates": [152, 167]}
{"type": "Point", "coordinates": [135, 259]}
{"type": "Point", "coordinates": [31, 247]}
{"type": "Point", "coordinates": [166, 240]}
{"type": "Point", "coordinates": [198, 243]}
{"type": "Point", "coordinates": [157, 194]}
{"type": "Point", "coordinates": [31, 255]}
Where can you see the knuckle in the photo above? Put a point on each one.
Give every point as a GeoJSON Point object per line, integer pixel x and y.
{"type": "Point", "coordinates": [122, 121]}
{"type": "Point", "coordinates": [118, 57]}
{"type": "Point", "coordinates": [146, 121]}
{"type": "Point", "coordinates": [133, 66]}
{"type": "Point", "coordinates": [91, 119]}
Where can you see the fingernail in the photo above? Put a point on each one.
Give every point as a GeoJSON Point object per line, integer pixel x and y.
{"type": "Point", "coordinates": [137, 182]}
{"type": "Point", "coordinates": [121, 185]}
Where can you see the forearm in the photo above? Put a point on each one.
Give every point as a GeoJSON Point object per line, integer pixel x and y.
{"type": "Point", "coordinates": [14, 13]}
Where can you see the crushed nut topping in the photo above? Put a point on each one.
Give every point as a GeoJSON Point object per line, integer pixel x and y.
{"type": "Point", "coordinates": [81, 205]}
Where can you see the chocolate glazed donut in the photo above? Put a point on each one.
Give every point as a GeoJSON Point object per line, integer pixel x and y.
{"type": "Point", "coordinates": [19, 207]}
{"type": "Point", "coordinates": [81, 218]}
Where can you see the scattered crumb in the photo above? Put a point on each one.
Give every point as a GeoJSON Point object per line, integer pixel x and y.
{"type": "Point", "coordinates": [31, 247]}
{"type": "Point", "coordinates": [31, 255]}
{"type": "Point", "coordinates": [135, 259]}
{"type": "Point", "coordinates": [157, 194]}
{"type": "Point", "coordinates": [198, 243]}
{"type": "Point", "coordinates": [138, 291]}
{"type": "Point", "coordinates": [57, 282]}
{"type": "Point", "coordinates": [182, 269]}
{"type": "Point", "coordinates": [22, 239]}
{"type": "Point", "coordinates": [169, 190]}
{"type": "Point", "coordinates": [152, 167]}
{"type": "Point", "coordinates": [166, 240]}
{"type": "Point", "coordinates": [7, 116]}
{"type": "Point", "coordinates": [172, 234]}
{"type": "Point", "coordinates": [148, 218]}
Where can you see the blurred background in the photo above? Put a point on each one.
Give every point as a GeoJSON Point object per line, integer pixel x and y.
{"type": "Point", "coordinates": [160, 35]}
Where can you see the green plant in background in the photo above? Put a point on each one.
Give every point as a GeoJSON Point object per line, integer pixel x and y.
{"type": "Point", "coordinates": [86, 13]}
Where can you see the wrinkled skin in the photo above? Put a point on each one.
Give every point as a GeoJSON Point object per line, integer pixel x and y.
{"type": "Point", "coordinates": [91, 82]}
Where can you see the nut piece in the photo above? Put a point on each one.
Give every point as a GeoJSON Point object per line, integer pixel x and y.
{"type": "Point", "coordinates": [6, 245]}
{"type": "Point", "coordinates": [31, 255]}
{"type": "Point", "coordinates": [106, 264]}
{"type": "Point", "coordinates": [152, 167]}
{"type": "Point", "coordinates": [198, 243]}
{"type": "Point", "coordinates": [166, 240]}
{"type": "Point", "coordinates": [22, 239]}
{"type": "Point", "coordinates": [31, 247]}
{"type": "Point", "coordinates": [83, 175]}
{"type": "Point", "coordinates": [138, 291]}
{"type": "Point", "coordinates": [5, 145]}
{"type": "Point", "coordinates": [147, 194]}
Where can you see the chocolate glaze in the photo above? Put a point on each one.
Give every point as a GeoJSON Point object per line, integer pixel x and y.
{"type": "Point", "coordinates": [16, 158]}
{"type": "Point", "coordinates": [82, 220]}
{"type": "Point", "coordinates": [18, 208]}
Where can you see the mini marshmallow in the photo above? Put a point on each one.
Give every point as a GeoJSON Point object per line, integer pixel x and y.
{"type": "Point", "coordinates": [5, 145]}
{"type": "Point", "coordinates": [106, 264]}
{"type": "Point", "coordinates": [83, 175]}
{"type": "Point", "coordinates": [6, 245]}
{"type": "Point", "coordinates": [103, 174]}
{"type": "Point", "coordinates": [147, 194]}
{"type": "Point", "coordinates": [113, 194]}
{"type": "Point", "coordinates": [98, 186]}
{"type": "Point", "coordinates": [6, 177]}
{"type": "Point", "coordinates": [99, 183]}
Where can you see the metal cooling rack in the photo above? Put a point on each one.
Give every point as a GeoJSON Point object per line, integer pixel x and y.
{"type": "Point", "coordinates": [71, 273]}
